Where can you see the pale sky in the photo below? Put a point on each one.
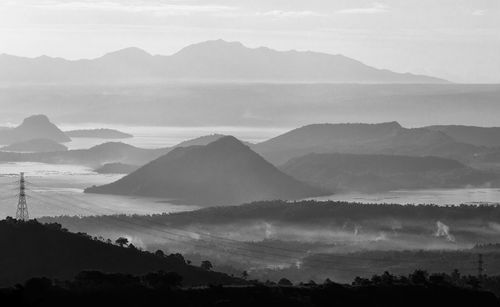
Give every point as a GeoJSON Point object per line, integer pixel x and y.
{"type": "Point", "coordinates": [454, 39]}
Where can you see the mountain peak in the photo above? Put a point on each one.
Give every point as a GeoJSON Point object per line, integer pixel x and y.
{"type": "Point", "coordinates": [210, 46]}
{"type": "Point", "coordinates": [223, 172]}
{"type": "Point", "coordinates": [36, 120]}
{"type": "Point", "coordinates": [229, 142]}
{"type": "Point", "coordinates": [128, 53]}
{"type": "Point", "coordinates": [34, 127]}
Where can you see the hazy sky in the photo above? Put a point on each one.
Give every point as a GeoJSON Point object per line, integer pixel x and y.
{"type": "Point", "coordinates": [455, 39]}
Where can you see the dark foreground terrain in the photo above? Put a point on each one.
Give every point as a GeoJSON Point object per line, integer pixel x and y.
{"type": "Point", "coordinates": [46, 265]}
{"type": "Point", "coordinates": [94, 288]}
{"type": "Point", "coordinates": [30, 249]}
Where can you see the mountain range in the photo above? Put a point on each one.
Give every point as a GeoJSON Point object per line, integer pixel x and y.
{"type": "Point", "coordinates": [223, 172]}
{"type": "Point", "coordinates": [374, 173]}
{"type": "Point", "coordinates": [383, 138]}
{"type": "Point", "coordinates": [479, 136]}
{"type": "Point", "coordinates": [216, 60]}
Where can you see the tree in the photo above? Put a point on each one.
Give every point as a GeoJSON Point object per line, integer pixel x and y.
{"type": "Point", "coordinates": [121, 241]}
{"type": "Point", "coordinates": [177, 258]}
{"type": "Point", "coordinates": [206, 265]}
{"type": "Point", "coordinates": [159, 253]}
{"type": "Point", "coordinates": [244, 275]}
{"type": "Point", "coordinates": [419, 277]}
{"type": "Point", "coordinates": [360, 281]}
{"type": "Point", "coordinates": [285, 282]}
{"type": "Point", "coordinates": [387, 278]}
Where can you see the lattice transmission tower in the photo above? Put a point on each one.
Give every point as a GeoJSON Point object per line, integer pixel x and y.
{"type": "Point", "coordinates": [22, 206]}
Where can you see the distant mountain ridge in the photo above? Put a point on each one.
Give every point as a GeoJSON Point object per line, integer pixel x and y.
{"type": "Point", "coordinates": [479, 136]}
{"type": "Point", "coordinates": [216, 60]}
{"type": "Point", "coordinates": [375, 173]}
{"type": "Point", "coordinates": [382, 138]}
{"type": "Point", "coordinates": [223, 172]}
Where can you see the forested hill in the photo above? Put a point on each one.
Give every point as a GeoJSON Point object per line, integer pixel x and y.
{"type": "Point", "coordinates": [31, 249]}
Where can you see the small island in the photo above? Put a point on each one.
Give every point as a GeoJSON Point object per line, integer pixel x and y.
{"type": "Point", "coordinates": [102, 133]}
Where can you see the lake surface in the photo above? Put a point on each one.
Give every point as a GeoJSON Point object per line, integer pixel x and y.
{"type": "Point", "coordinates": [54, 190]}
{"type": "Point", "coordinates": [158, 137]}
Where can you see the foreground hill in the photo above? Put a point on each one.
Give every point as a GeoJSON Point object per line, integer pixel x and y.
{"type": "Point", "coordinates": [222, 172]}
{"type": "Point", "coordinates": [111, 152]}
{"type": "Point", "coordinates": [208, 61]}
{"type": "Point", "coordinates": [31, 250]}
{"type": "Point", "coordinates": [35, 145]}
{"type": "Point", "coordinates": [33, 127]}
{"type": "Point", "coordinates": [369, 173]}
{"type": "Point", "coordinates": [383, 138]}
{"type": "Point", "coordinates": [479, 136]}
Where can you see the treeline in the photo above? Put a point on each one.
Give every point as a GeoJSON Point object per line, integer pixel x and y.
{"type": "Point", "coordinates": [153, 289]}
{"type": "Point", "coordinates": [298, 212]}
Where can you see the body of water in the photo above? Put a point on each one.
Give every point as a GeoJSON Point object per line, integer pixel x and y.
{"type": "Point", "coordinates": [159, 137]}
{"type": "Point", "coordinates": [54, 190]}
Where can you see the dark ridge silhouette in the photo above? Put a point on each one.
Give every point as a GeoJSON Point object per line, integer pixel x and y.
{"type": "Point", "coordinates": [216, 60]}
{"type": "Point", "coordinates": [308, 212]}
{"type": "Point", "coordinates": [116, 168]}
{"type": "Point", "coordinates": [33, 127]}
{"type": "Point", "coordinates": [369, 173]}
{"type": "Point", "coordinates": [96, 289]}
{"type": "Point", "coordinates": [222, 172]}
{"type": "Point", "coordinates": [96, 156]}
{"type": "Point", "coordinates": [383, 138]}
{"type": "Point", "coordinates": [101, 133]}
{"type": "Point", "coordinates": [479, 136]}
{"type": "Point", "coordinates": [35, 145]}
{"type": "Point", "coordinates": [31, 249]}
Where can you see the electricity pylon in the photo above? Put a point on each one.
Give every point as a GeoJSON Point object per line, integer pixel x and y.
{"type": "Point", "coordinates": [22, 206]}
